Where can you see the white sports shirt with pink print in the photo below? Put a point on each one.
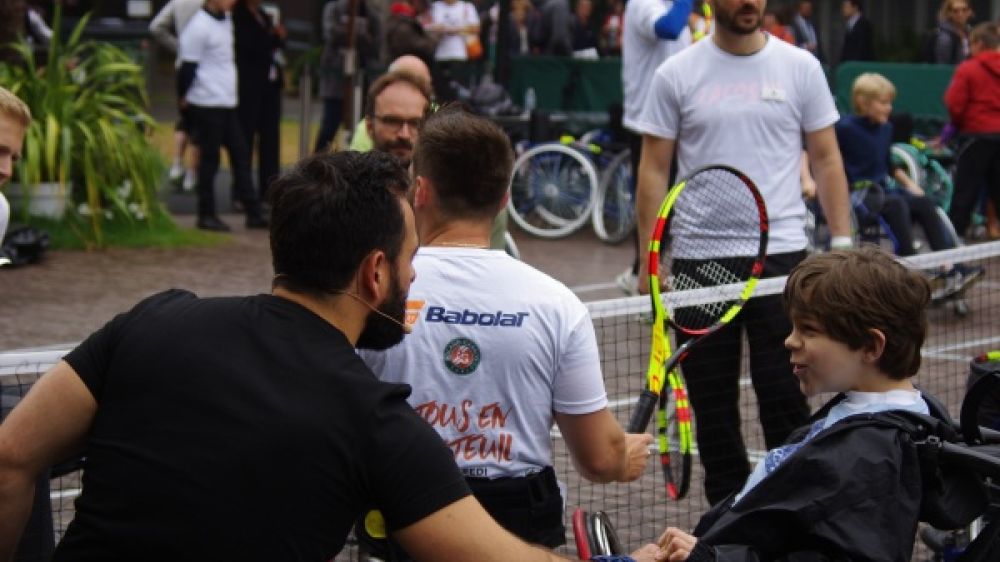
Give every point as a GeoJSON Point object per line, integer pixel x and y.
{"type": "Point", "coordinates": [497, 347]}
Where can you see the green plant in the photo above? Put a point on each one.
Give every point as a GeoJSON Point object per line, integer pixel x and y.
{"type": "Point", "coordinates": [90, 127]}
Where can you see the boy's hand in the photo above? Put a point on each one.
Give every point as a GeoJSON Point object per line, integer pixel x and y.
{"type": "Point", "coordinates": [648, 553]}
{"type": "Point", "coordinates": [676, 544]}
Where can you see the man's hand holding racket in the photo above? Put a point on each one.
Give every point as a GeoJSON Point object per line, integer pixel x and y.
{"type": "Point", "coordinates": [637, 453]}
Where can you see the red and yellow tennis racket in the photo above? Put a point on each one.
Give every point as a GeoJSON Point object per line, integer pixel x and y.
{"type": "Point", "coordinates": [712, 227]}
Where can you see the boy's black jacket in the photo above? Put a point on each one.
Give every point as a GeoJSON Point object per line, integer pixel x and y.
{"type": "Point", "coordinates": [854, 492]}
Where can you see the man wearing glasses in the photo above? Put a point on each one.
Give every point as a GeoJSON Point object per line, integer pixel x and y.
{"type": "Point", "coordinates": [397, 104]}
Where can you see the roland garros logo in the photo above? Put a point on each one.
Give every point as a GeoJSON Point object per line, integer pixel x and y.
{"type": "Point", "coordinates": [462, 356]}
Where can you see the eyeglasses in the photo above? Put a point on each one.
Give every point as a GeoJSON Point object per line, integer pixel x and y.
{"type": "Point", "coordinates": [396, 123]}
{"type": "Point", "coordinates": [961, 10]}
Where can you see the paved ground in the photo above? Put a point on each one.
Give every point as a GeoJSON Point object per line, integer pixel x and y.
{"type": "Point", "coordinates": [70, 294]}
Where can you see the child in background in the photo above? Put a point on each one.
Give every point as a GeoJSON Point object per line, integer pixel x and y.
{"type": "Point", "coordinates": [865, 140]}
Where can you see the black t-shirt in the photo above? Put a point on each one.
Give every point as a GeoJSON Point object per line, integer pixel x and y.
{"type": "Point", "coordinates": [242, 429]}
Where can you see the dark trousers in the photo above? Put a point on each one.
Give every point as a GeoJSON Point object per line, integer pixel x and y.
{"type": "Point", "coordinates": [215, 127]}
{"type": "Point", "coordinates": [260, 120]}
{"type": "Point", "coordinates": [712, 373]}
{"type": "Point", "coordinates": [978, 163]}
{"type": "Point", "coordinates": [901, 209]}
{"type": "Point", "coordinates": [530, 507]}
{"type": "Point", "coordinates": [333, 109]}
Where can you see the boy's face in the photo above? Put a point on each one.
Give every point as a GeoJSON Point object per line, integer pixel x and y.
{"type": "Point", "coordinates": [876, 108]}
{"type": "Point", "coordinates": [821, 363]}
{"type": "Point", "coordinates": [11, 142]}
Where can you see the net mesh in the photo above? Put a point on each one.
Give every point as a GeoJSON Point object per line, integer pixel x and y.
{"type": "Point", "coordinates": [959, 330]}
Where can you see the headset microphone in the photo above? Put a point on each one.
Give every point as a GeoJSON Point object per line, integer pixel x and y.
{"type": "Point", "coordinates": [407, 329]}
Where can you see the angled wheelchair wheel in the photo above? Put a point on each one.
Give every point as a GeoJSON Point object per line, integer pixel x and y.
{"type": "Point", "coordinates": [552, 190]}
{"type": "Point", "coordinates": [614, 204]}
{"type": "Point", "coordinates": [510, 246]}
{"type": "Point", "coordinates": [818, 232]}
{"type": "Point", "coordinates": [907, 156]}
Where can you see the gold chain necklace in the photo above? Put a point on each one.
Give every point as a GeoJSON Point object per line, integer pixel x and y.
{"type": "Point", "coordinates": [460, 245]}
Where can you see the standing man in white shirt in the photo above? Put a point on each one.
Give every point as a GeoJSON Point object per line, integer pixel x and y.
{"type": "Point", "coordinates": [454, 21]}
{"type": "Point", "coordinates": [206, 86]}
{"type": "Point", "coordinates": [744, 99]}
{"type": "Point", "coordinates": [165, 28]}
{"type": "Point", "coordinates": [654, 30]}
{"type": "Point", "coordinates": [499, 350]}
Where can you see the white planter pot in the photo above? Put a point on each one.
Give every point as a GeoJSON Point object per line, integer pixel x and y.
{"type": "Point", "coordinates": [45, 199]}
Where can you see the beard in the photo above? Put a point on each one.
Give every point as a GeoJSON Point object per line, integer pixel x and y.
{"type": "Point", "coordinates": [382, 332]}
{"type": "Point", "coordinates": [728, 20]}
{"type": "Point", "coordinates": [402, 149]}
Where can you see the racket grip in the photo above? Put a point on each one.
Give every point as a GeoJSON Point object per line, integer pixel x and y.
{"type": "Point", "coordinates": [643, 411]}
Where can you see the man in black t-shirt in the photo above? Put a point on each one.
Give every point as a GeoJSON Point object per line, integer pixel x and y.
{"type": "Point", "coordinates": [247, 428]}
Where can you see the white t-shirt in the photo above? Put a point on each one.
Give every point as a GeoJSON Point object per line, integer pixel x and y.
{"type": "Point", "coordinates": [461, 13]}
{"type": "Point", "coordinates": [748, 112]}
{"type": "Point", "coordinates": [643, 52]}
{"type": "Point", "coordinates": [208, 42]}
{"type": "Point", "coordinates": [4, 216]}
{"type": "Point", "coordinates": [497, 347]}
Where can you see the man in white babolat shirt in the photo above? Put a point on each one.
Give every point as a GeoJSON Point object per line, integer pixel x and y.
{"type": "Point", "coordinates": [499, 350]}
{"type": "Point", "coordinates": [654, 30]}
{"type": "Point", "coordinates": [745, 99]}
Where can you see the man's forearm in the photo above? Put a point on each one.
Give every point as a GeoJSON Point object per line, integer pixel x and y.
{"type": "Point", "coordinates": [833, 195]}
{"type": "Point", "coordinates": [831, 182]}
{"type": "Point", "coordinates": [165, 38]}
{"type": "Point", "coordinates": [652, 180]}
{"type": "Point", "coordinates": [16, 493]}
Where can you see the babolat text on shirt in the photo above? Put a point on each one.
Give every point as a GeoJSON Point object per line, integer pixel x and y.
{"type": "Point", "coordinates": [473, 318]}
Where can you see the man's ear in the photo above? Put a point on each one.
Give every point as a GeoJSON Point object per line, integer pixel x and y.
{"type": "Point", "coordinates": [374, 276]}
{"type": "Point", "coordinates": [875, 346]}
{"type": "Point", "coordinates": [421, 192]}
{"type": "Point", "coordinates": [369, 126]}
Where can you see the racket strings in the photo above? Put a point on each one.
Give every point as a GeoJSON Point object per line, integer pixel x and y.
{"type": "Point", "coordinates": [715, 235]}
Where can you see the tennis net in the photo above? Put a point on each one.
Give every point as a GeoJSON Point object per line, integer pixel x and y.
{"type": "Point", "coordinates": [959, 330]}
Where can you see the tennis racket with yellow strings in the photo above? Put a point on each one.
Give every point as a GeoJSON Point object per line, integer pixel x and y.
{"type": "Point", "coordinates": [712, 228]}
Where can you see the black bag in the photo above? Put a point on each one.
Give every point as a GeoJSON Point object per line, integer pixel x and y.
{"type": "Point", "coordinates": [490, 99]}
{"type": "Point", "coordinates": [23, 245]}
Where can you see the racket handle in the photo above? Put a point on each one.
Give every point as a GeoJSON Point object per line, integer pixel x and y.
{"type": "Point", "coordinates": [643, 411]}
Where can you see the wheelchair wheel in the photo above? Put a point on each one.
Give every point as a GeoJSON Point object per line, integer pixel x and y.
{"type": "Point", "coordinates": [818, 232]}
{"type": "Point", "coordinates": [510, 246]}
{"type": "Point", "coordinates": [552, 190]}
{"type": "Point", "coordinates": [948, 227]}
{"type": "Point", "coordinates": [906, 156]}
{"type": "Point", "coordinates": [614, 204]}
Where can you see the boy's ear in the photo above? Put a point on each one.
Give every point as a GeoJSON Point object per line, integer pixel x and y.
{"type": "Point", "coordinates": [875, 345]}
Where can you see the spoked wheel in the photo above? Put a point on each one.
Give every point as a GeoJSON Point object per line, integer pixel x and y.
{"type": "Point", "coordinates": [614, 203]}
{"type": "Point", "coordinates": [552, 190]}
{"type": "Point", "coordinates": [818, 233]}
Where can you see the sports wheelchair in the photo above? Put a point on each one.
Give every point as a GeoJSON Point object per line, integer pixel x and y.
{"type": "Point", "coordinates": [959, 464]}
